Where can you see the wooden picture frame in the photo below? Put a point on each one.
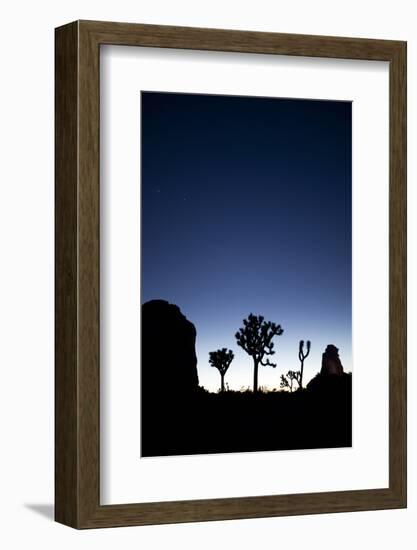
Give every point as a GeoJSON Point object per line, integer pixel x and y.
{"type": "Point", "coordinates": [77, 402]}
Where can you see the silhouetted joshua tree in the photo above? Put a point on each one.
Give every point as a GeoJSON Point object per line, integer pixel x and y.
{"type": "Point", "coordinates": [221, 359]}
{"type": "Point", "coordinates": [302, 356]}
{"type": "Point", "coordinates": [255, 337]}
{"type": "Point", "coordinates": [287, 381]}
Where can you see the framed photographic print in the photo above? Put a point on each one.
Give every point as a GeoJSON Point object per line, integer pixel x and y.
{"type": "Point", "coordinates": [230, 274]}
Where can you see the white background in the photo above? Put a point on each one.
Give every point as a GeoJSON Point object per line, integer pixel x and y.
{"type": "Point", "coordinates": [26, 290]}
{"type": "Point", "coordinates": [126, 478]}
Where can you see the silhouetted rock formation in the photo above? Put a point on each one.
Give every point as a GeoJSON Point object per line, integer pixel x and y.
{"type": "Point", "coordinates": [331, 363]}
{"type": "Point", "coordinates": [169, 379]}
{"type": "Point", "coordinates": [331, 380]}
{"type": "Point", "coordinates": [169, 361]}
{"type": "Point", "coordinates": [332, 384]}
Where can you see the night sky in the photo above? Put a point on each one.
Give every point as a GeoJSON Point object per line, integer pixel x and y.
{"type": "Point", "coordinates": [246, 207]}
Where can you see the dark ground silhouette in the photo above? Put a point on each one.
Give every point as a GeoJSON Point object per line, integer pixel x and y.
{"type": "Point", "coordinates": [178, 417]}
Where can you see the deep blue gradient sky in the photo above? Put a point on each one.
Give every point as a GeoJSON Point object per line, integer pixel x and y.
{"type": "Point", "coordinates": [246, 207]}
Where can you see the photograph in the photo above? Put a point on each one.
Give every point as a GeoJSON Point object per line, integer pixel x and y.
{"type": "Point", "coordinates": [230, 276]}
{"type": "Point", "coordinates": [246, 274]}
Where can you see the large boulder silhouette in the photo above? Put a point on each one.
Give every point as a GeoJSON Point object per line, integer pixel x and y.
{"type": "Point", "coordinates": [169, 361]}
{"type": "Point", "coordinates": [330, 363]}
{"type": "Point", "coordinates": [331, 380]}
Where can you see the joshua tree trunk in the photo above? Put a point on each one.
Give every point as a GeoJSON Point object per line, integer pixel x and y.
{"type": "Point", "coordinates": [301, 356]}
{"type": "Point", "coordinates": [222, 386]}
{"type": "Point", "coordinates": [301, 375]}
{"type": "Point", "coordinates": [255, 376]}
